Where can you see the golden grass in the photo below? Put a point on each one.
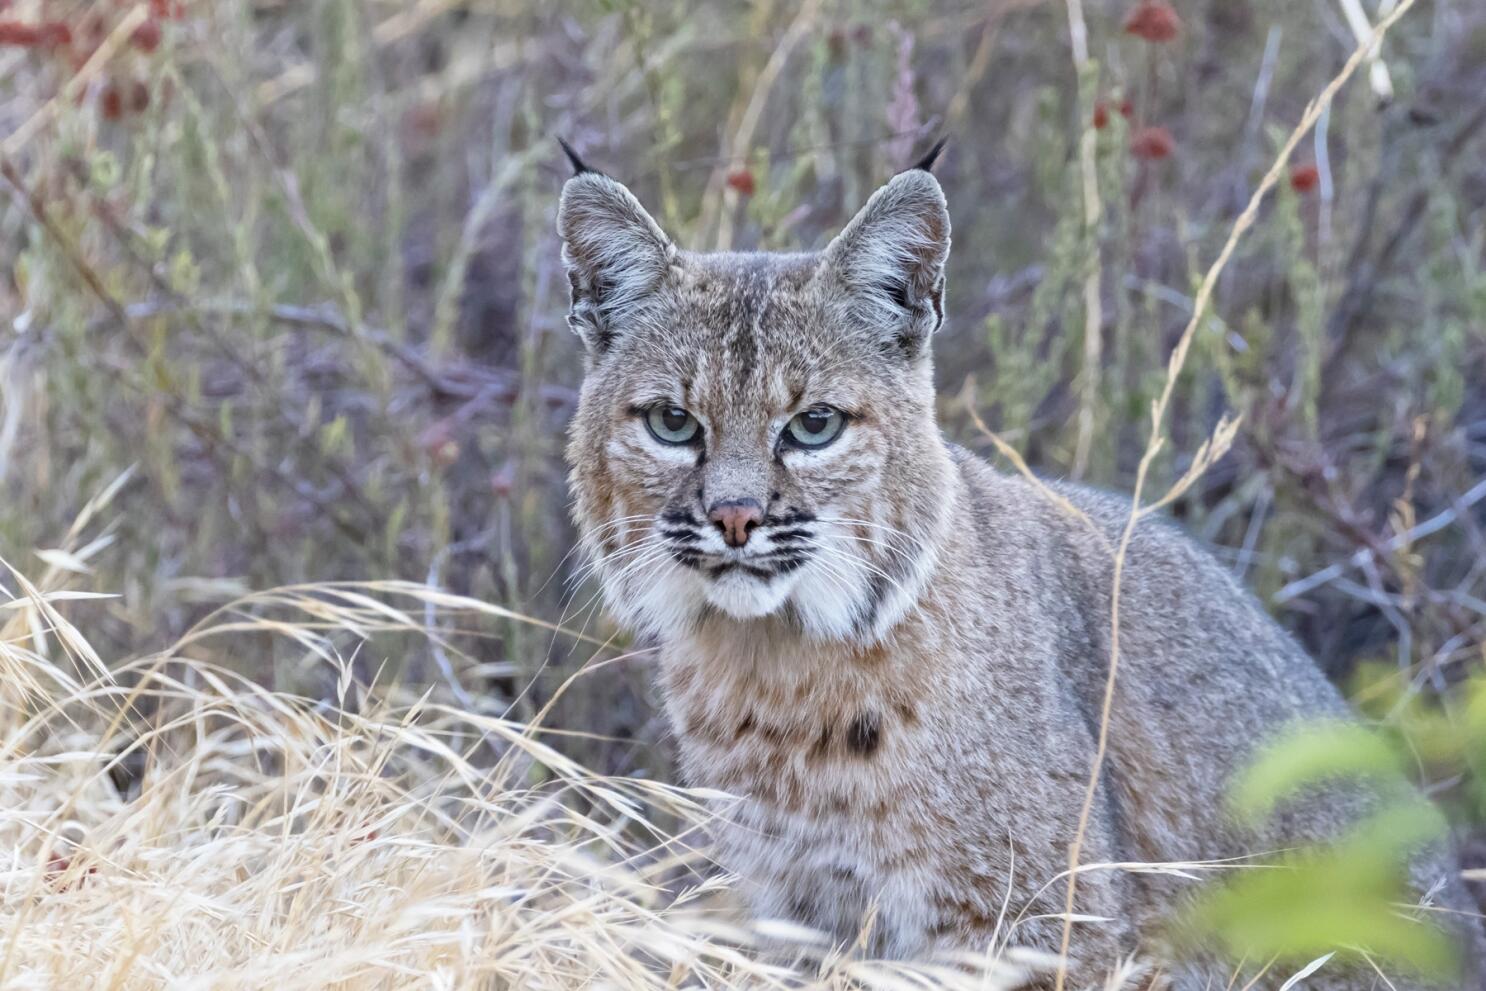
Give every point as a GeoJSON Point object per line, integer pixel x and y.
{"type": "Point", "coordinates": [167, 822]}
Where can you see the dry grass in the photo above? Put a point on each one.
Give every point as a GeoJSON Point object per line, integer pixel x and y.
{"type": "Point", "coordinates": [169, 823]}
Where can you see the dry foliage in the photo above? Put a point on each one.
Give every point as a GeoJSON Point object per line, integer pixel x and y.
{"type": "Point", "coordinates": [169, 823]}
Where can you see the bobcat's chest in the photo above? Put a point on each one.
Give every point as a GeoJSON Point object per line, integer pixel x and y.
{"type": "Point", "coordinates": [836, 872]}
{"type": "Point", "coordinates": [832, 818]}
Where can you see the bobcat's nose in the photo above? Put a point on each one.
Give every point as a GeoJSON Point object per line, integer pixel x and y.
{"type": "Point", "coordinates": [736, 519]}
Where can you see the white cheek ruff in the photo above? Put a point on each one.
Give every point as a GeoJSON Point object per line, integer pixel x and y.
{"type": "Point", "coordinates": [660, 598]}
{"type": "Point", "coordinates": [857, 596]}
{"type": "Point", "coordinates": [830, 601]}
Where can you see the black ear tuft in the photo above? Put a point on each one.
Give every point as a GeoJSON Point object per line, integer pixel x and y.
{"type": "Point", "coordinates": [579, 166]}
{"type": "Point", "coordinates": [926, 164]}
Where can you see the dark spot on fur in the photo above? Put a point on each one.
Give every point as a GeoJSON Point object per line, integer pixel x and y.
{"type": "Point", "coordinates": [906, 713]}
{"type": "Point", "coordinates": [700, 727]}
{"type": "Point", "coordinates": [746, 726]}
{"type": "Point", "coordinates": [877, 587]}
{"type": "Point", "coordinates": [776, 735]}
{"type": "Point", "coordinates": [864, 735]}
{"type": "Point", "coordinates": [744, 349]}
{"type": "Point", "coordinates": [822, 745]}
{"type": "Point", "coordinates": [791, 615]}
{"type": "Point", "coordinates": [959, 915]}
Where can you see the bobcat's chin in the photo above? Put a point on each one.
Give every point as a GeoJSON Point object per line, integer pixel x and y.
{"type": "Point", "coordinates": [820, 600]}
{"type": "Point", "coordinates": [744, 594]}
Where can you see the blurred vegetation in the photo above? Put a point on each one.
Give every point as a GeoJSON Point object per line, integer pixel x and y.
{"type": "Point", "coordinates": [1351, 896]}
{"type": "Point", "coordinates": [295, 261]}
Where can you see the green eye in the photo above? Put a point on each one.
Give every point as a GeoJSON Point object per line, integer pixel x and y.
{"type": "Point", "coordinates": [672, 424]}
{"type": "Point", "coordinates": [815, 427]}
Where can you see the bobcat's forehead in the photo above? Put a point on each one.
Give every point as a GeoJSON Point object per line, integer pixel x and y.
{"type": "Point", "coordinates": [736, 336]}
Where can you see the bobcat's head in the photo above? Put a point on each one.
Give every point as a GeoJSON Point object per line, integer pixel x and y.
{"type": "Point", "coordinates": [756, 434]}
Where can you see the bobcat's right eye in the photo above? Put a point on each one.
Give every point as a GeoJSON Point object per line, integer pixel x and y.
{"type": "Point", "coordinates": [672, 425]}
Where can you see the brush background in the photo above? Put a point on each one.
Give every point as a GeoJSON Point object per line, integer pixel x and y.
{"type": "Point", "coordinates": [312, 290]}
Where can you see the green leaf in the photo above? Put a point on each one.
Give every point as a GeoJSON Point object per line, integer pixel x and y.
{"type": "Point", "coordinates": [1310, 756]}
{"type": "Point", "coordinates": [1345, 898]}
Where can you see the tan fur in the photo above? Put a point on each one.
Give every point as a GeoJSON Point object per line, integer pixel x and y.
{"type": "Point", "coordinates": [909, 711]}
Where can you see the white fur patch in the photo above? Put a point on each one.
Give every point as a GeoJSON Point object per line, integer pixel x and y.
{"type": "Point", "coordinates": [656, 595]}
{"type": "Point", "coordinates": [745, 596]}
{"type": "Point", "coordinates": [829, 602]}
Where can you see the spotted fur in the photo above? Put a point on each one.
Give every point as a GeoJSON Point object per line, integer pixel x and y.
{"type": "Point", "coordinates": [901, 670]}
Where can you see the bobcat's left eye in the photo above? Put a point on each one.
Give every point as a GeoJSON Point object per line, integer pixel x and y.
{"type": "Point", "coordinates": [672, 424]}
{"type": "Point", "coordinates": [815, 427]}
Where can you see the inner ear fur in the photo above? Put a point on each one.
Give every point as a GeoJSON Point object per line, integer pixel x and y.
{"type": "Point", "coordinates": [890, 260]}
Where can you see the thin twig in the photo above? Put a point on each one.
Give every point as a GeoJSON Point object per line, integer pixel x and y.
{"type": "Point", "coordinates": [462, 381]}
{"type": "Point", "coordinates": [393, 29]}
{"type": "Point", "coordinates": [1093, 214]}
{"type": "Point", "coordinates": [1020, 464]}
{"type": "Point", "coordinates": [1367, 555]}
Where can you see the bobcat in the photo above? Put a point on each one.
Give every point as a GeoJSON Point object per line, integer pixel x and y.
{"type": "Point", "coordinates": [893, 653]}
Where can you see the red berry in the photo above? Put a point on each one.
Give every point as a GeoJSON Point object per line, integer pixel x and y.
{"type": "Point", "coordinates": [139, 96]}
{"type": "Point", "coordinates": [147, 36]}
{"type": "Point", "coordinates": [1151, 144]}
{"type": "Point", "coordinates": [1127, 109]}
{"type": "Point", "coordinates": [1305, 177]}
{"type": "Point", "coordinates": [111, 102]}
{"type": "Point", "coordinates": [18, 34]}
{"type": "Point", "coordinates": [53, 34]}
{"type": "Point", "coordinates": [1153, 20]}
{"type": "Point", "coordinates": [742, 181]}
{"type": "Point", "coordinates": [1101, 116]}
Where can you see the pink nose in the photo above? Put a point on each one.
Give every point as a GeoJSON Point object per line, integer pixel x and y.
{"type": "Point", "coordinates": [736, 519]}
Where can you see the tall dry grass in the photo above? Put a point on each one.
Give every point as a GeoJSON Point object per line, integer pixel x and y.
{"type": "Point", "coordinates": [167, 822]}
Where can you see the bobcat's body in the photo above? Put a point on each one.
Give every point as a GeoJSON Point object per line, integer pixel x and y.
{"type": "Point", "coordinates": [894, 654]}
{"type": "Point", "coordinates": [939, 773]}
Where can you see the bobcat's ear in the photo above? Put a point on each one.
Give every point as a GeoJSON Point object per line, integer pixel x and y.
{"type": "Point", "coordinates": [616, 256]}
{"type": "Point", "coordinates": [890, 261]}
